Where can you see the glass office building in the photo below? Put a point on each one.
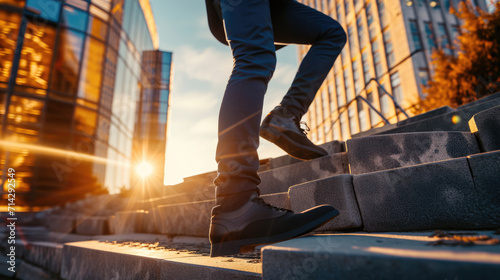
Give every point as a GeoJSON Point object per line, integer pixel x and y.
{"type": "Point", "coordinates": [71, 75]}
{"type": "Point", "coordinates": [384, 64]}
{"type": "Point", "coordinates": [151, 121]}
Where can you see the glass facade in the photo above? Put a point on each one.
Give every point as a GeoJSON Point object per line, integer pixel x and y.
{"type": "Point", "coordinates": [70, 78]}
{"type": "Point", "coordinates": [150, 132]}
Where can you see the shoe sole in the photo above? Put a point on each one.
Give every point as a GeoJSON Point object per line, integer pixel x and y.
{"type": "Point", "coordinates": [248, 245]}
{"type": "Point", "coordinates": [295, 150]}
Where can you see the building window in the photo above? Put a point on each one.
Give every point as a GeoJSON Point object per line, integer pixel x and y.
{"type": "Point", "coordinates": [352, 39]}
{"type": "Point", "coordinates": [423, 75]}
{"type": "Point", "coordinates": [357, 79]}
{"type": "Point", "coordinates": [347, 7]}
{"type": "Point", "coordinates": [369, 18]}
{"type": "Point", "coordinates": [65, 70]}
{"type": "Point", "coordinates": [74, 18]}
{"type": "Point", "coordinates": [415, 35]}
{"type": "Point", "coordinates": [46, 9]}
{"type": "Point", "coordinates": [363, 118]}
{"type": "Point", "coordinates": [376, 60]}
{"type": "Point", "coordinates": [347, 83]}
{"type": "Point", "coordinates": [389, 50]}
{"type": "Point", "coordinates": [366, 67]}
{"type": "Point", "coordinates": [324, 101]}
{"type": "Point", "coordinates": [339, 13]}
{"type": "Point", "coordinates": [344, 56]}
{"type": "Point", "coordinates": [384, 21]}
{"type": "Point", "coordinates": [335, 129]}
{"type": "Point", "coordinates": [430, 37]}
{"type": "Point", "coordinates": [443, 39]}
{"type": "Point", "coordinates": [455, 32]}
{"type": "Point", "coordinates": [36, 56]}
{"type": "Point", "coordinates": [91, 73]}
{"type": "Point", "coordinates": [97, 28]}
{"type": "Point", "coordinates": [319, 120]}
{"type": "Point", "coordinates": [397, 92]}
{"type": "Point", "coordinates": [384, 104]}
{"type": "Point", "coordinates": [369, 14]}
{"type": "Point", "coordinates": [331, 96]}
{"type": "Point", "coordinates": [447, 5]}
{"type": "Point", "coordinates": [340, 92]}
{"type": "Point", "coordinates": [374, 118]}
{"type": "Point", "coordinates": [352, 121]}
{"type": "Point", "coordinates": [344, 127]}
{"type": "Point", "coordinates": [85, 120]}
{"type": "Point", "coordinates": [9, 29]}
{"type": "Point", "coordinates": [361, 32]}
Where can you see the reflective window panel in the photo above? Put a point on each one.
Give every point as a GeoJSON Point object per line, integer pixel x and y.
{"type": "Point", "coordinates": [66, 66]}
{"type": "Point", "coordinates": [91, 72]}
{"type": "Point", "coordinates": [36, 56]}
{"type": "Point", "coordinates": [9, 29]}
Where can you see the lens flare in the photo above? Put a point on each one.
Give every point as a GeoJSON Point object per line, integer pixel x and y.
{"type": "Point", "coordinates": [144, 169]}
{"type": "Point", "coordinates": [456, 119]}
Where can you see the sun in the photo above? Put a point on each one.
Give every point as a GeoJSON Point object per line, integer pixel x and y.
{"type": "Point", "coordinates": [144, 169]}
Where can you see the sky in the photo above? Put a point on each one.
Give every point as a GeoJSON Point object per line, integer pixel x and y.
{"type": "Point", "coordinates": [201, 69]}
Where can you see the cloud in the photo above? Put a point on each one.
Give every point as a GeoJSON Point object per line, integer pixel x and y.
{"type": "Point", "coordinates": [206, 126]}
{"type": "Point", "coordinates": [195, 101]}
{"type": "Point", "coordinates": [284, 74]}
{"type": "Point", "coordinates": [207, 65]}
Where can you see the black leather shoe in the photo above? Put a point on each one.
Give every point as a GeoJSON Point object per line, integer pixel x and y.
{"type": "Point", "coordinates": [285, 131]}
{"type": "Point", "coordinates": [257, 223]}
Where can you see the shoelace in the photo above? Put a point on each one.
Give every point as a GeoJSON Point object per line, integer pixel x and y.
{"type": "Point", "coordinates": [304, 130]}
{"type": "Point", "coordinates": [260, 201]}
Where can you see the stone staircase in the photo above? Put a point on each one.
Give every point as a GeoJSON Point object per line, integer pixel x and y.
{"type": "Point", "coordinates": [434, 171]}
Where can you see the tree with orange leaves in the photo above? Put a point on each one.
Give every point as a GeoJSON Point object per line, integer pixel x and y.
{"type": "Point", "coordinates": [475, 72]}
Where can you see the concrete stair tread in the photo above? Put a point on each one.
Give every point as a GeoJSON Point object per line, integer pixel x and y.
{"type": "Point", "coordinates": [280, 179]}
{"type": "Point", "coordinates": [455, 120]}
{"type": "Point", "coordinates": [382, 152]}
{"type": "Point", "coordinates": [379, 256]}
{"type": "Point", "coordinates": [98, 260]}
{"type": "Point", "coordinates": [193, 219]}
{"type": "Point", "coordinates": [449, 194]}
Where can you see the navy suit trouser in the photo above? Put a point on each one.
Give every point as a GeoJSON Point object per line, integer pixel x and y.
{"type": "Point", "coordinates": [252, 29]}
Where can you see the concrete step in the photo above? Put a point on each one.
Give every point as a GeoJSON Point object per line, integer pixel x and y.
{"type": "Point", "coordinates": [452, 194]}
{"type": "Point", "coordinates": [193, 219]}
{"type": "Point", "coordinates": [388, 127]}
{"type": "Point", "coordinates": [427, 115]}
{"type": "Point", "coordinates": [273, 173]}
{"type": "Point", "coordinates": [47, 255]}
{"type": "Point", "coordinates": [442, 195]}
{"type": "Point", "coordinates": [379, 256]}
{"type": "Point", "coordinates": [381, 152]}
{"type": "Point", "coordinates": [92, 225]}
{"type": "Point", "coordinates": [337, 191]}
{"type": "Point", "coordinates": [452, 121]}
{"type": "Point", "coordinates": [481, 101]}
{"type": "Point", "coordinates": [486, 126]}
{"type": "Point", "coordinates": [280, 179]}
{"type": "Point", "coordinates": [61, 223]}
{"type": "Point", "coordinates": [332, 147]}
{"type": "Point", "coordinates": [125, 256]}
{"type": "Point", "coordinates": [98, 260]}
{"type": "Point", "coordinates": [138, 221]}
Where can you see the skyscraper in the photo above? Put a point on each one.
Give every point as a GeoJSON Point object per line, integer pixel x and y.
{"type": "Point", "coordinates": [378, 77]}
{"type": "Point", "coordinates": [151, 120]}
{"type": "Point", "coordinates": [71, 74]}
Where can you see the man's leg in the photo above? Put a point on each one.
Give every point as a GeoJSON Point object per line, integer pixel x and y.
{"type": "Point", "coordinates": [250, 36]}
{"type": "Point", "coordinates": [296, 23]}
{"type": "Point", "coordinates": [299, 24]}
{"type": "Point", "coordinates": [241, 220]}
